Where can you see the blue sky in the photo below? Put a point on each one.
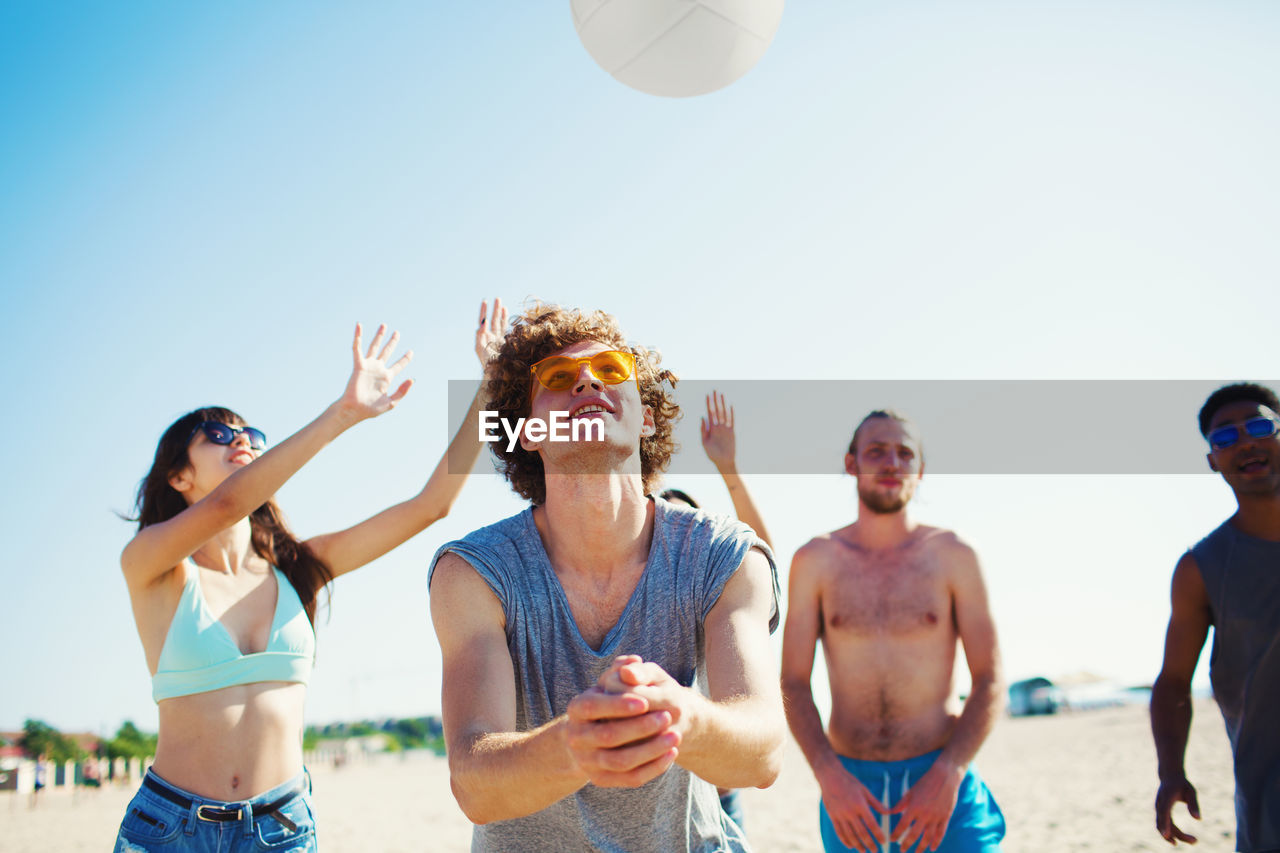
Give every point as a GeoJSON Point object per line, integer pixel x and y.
{"type": "Point", "coordinates": [198, 202]}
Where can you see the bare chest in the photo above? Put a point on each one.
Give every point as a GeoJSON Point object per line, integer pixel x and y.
{"type": "Point", "coordinates": [887, 594]}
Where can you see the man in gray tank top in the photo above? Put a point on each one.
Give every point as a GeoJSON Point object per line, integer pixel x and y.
{"type": "Point", "coordinates": [606, 655]}
{"type": "Point", "coordinates": [1230, 580]}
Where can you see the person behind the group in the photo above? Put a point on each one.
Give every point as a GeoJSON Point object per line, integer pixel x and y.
{"type": "Point", "coordinates": [224, 597]}
{"type": "Point", "coordinates": [1230, 580]}
{"type": "Point", "coordinates": [889, 599]}
{"type": "Point", "coordinates": [574, 633]}
{"type": "Point", "coordinates": [42, 770]}
{"type": "Point", "coordinates": [719, 441]}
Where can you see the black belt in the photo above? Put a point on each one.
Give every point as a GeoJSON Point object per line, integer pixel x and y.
{"type": "Point", "coordinates": [219, 814]}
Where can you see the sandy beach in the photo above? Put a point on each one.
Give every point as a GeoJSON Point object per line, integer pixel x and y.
{"type": "Point", "coordinates": [1082, 781]}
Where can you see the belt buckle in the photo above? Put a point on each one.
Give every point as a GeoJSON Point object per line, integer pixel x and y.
{"type": "Point", "coordinates": [225, 814]}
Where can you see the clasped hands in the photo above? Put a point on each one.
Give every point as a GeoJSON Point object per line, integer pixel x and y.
{"type": "Point", "coordinates": [627, 729]}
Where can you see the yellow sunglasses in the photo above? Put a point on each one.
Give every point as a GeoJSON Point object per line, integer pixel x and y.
{"type": "Point", "coordinates": [559, 372]}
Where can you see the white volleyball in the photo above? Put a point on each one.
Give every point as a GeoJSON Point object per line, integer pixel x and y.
{"type": "Point", "coordinates": [676, 48]}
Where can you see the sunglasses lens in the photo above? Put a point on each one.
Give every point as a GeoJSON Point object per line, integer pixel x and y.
{"type": "Point", "coordinates": [218, 433]}
{"type": "Point", "coordinates": [612, 367]}
{"type": "Point", "coordinates": [1224, 437]}
{"type": "Point", "coordinates": [257, 440]}
{"type": "Point", "coordinates": [1260, 427]}
{"type": "Point", "coordinates": [555, 374]}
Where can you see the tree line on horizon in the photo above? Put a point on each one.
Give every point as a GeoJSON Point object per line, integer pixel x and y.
{"type": "Point", "coordinates": [39, 738]}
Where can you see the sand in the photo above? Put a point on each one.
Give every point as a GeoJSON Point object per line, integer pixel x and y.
{"type": "Point", "coordinates": [1083, 781]}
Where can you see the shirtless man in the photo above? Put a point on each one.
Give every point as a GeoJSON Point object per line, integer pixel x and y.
{"type": "Point", "coordinates": [889, 598]}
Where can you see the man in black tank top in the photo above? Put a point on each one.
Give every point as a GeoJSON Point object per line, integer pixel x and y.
{"type": "Point", "coordinates": [1230, 580]}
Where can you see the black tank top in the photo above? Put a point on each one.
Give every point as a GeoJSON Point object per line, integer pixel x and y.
{"type": "Point", "coordinates": [1242, 578]}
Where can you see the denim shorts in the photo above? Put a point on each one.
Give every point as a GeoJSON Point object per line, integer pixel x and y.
{"type": "Point", "coordinates": [155, 822]}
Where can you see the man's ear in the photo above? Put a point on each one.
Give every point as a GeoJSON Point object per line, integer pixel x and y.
{"type": "Point", "coordinates": [851, 464]}
{"type": "Point", "coordinates": [650, 426]}
{"type": "Point", "coordinates": [526, 442]}
{"type": "Point", "coordinates": [1213, 466]}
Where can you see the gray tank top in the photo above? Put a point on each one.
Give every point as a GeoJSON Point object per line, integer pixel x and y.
{"type": "Point", "coordinates": [1242, 578]}
{"type": "Point", "coordinates": [691, 557]}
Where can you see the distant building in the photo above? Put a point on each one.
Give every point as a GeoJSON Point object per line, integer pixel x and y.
{"type": "Point", "coordinates": [1034, 696]}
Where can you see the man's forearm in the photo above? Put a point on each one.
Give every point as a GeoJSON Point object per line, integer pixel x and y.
{"type": "Point", "coordinates": [735, 743]}
{"type": "Point", "coordinates": [806, 726]}
{"type": "Point", "coordinates": [981, 710]}
{"type": "Point", "coordinates": [1170, 726]}
{"type": "Point", "coordinates": [500, 776]}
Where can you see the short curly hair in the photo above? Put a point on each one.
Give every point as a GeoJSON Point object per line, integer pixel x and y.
{"type": "Point", "coordinates": [544, 330]}
{"type": "Point", "coordinates": [1250, 392]}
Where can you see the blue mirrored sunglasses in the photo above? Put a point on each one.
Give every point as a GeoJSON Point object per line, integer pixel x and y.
{"type": "Point", "coordinates": [1225, 436]}
{"type": "Point", "coordinates": [225, 434]}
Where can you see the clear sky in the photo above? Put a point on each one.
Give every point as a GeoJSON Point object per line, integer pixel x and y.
{"type": "Point", "coordinates": [197, 202]}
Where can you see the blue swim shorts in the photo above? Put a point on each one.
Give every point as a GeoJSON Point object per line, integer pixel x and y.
{"type": "Point", "coordinates": [158, 820]}
{"type": "Point", "coordinates": [976, 826]}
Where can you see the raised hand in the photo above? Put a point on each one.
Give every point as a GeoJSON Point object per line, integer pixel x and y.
{"type": "Point", "coordinates": [368, 393]}
{"type": "Point", "coordinates": [1170, 792]}
{"type": "Point", "coordinates": [926, 808]}
{"type": "Point", "coordinates": [717, 432]}
{"type": "Point", "coordinates": [491, 332]}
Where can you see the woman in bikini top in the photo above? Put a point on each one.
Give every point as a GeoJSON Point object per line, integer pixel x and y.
{"type": "Point", "coordinates": [224, 598]}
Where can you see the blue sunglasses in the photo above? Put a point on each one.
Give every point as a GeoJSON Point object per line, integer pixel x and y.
{"type": "Point", "coordinates": [1226, 436]}
{"type": "Point", "coordinates": [225, 434]}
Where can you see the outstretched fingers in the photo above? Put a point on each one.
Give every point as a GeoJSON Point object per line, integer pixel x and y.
{"type": "Point", "coordinates": [401, 363]}
{"type": "Point", "coordinates": [401, 391]}
{"type": "Point", "coordinates": [498, 318]}
{"type": "Point", "coordinates": [391, 345]}
{"type": "Point", "coordinates": [377, 339]}
{"type": "Point", "coordinates": [717, 413]}
{"type": "Point", "coordinates": [491, 331]}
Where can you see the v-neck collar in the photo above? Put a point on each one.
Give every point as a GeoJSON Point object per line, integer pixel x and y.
{"type": "Point", "coordinates": [610, 641]}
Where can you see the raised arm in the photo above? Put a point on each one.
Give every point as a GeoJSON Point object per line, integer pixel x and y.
{"type": "Point", "coordinates": [853, 809]}
{"type": "Point", "coordinates": [720, 444]}
{"type": "Point", "coordinates": [926, 808]}
{"type": "Point", "coordinates": [158, 548]}
{"type": "Point", "coordinates": [356, 546]}
{"type": "Point", "coordinates": [498, 773]}
{"type": "Point", "coordinates": [1171, 695]}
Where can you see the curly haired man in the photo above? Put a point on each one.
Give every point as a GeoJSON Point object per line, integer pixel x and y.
{"type": "Point", "coordinates": [606, 654]}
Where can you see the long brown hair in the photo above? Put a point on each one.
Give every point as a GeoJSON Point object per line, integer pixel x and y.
{"type": "Point", "coordinates": [272, 540]}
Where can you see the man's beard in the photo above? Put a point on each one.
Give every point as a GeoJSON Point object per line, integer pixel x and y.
{"type": "Point", "coordinates": [884, 504]}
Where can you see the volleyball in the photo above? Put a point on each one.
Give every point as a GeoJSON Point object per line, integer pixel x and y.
{"type": "Point", "coordinates": [676, 48]}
